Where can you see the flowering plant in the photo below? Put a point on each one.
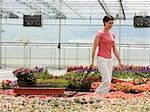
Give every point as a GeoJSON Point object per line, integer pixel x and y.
{"type": "Point", "coordinates": [7, 84]}
{"type": "Point", "coordinates": [24, 74]}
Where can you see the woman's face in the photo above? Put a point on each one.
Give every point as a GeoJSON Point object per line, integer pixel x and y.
{"type": "Point", "coordinates": [109, 24]}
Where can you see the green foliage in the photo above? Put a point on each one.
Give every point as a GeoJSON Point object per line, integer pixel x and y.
{"type": "Point", "coordinates": [75, 80]}
{"type": "Point", "coordinates": [125, 75]}
{"type": "Point", "coordinates": [44, 74]}
{"type": "Point", "coordinates": [53, 82]}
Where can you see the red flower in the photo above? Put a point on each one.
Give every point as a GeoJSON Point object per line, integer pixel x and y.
{"type": "Point", "coordinates": [6, 84]}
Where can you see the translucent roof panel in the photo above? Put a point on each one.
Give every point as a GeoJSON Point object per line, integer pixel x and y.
{"type": "Point", "coordinates": [75, 9]}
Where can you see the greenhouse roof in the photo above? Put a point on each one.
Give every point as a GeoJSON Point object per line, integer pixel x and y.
{"type": "Point", "coordinates": [75, 9]}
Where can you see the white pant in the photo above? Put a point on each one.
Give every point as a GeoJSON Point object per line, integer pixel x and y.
{"type": "Point", "coordinates": [105, 68]}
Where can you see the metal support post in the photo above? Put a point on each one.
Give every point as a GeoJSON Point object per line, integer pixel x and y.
{"type": "Point", "coordinates": [1, 34]}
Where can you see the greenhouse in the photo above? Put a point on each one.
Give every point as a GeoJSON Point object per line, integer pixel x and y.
{"type": "Point", "coordinates": [50, 60]}
{"type": "Point", "coordinates": [67, 28]}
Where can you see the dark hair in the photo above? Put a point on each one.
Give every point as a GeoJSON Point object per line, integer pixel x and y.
{"type": "Point", "coordinates": [107, 18]}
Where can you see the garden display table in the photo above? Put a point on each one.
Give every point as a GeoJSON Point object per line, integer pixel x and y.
{"type": "Point", "coordinates": [38, 91]}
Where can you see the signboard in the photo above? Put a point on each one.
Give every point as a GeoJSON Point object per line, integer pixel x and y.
{"type": "Point", "coordinates": [32, 20]}
{"type": "Point", "coordinates": [141, 21]}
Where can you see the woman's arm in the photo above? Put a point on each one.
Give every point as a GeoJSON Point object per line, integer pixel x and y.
{"type": "Point", "coordinates": [96, 42]}
{"type": "Point", "coordinates": [117, 54]}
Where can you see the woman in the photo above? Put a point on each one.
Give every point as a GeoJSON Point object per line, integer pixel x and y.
{"type": "Point", "coordinates": [105, 40]}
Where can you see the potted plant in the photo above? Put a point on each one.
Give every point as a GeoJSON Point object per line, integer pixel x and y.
{"type": "Point", "coordinates": [25, 76]}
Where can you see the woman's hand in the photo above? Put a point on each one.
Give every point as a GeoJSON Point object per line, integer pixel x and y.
{"type": "Point", "coordinates": [92, 65]}
{"type": "Point", "coordinates": [120, 64]}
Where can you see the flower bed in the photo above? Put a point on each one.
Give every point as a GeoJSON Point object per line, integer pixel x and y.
{"type": "Point", "coordinates": [119, 99]}
{"type": "Point", "coordinates": [119, 72]}
{"type": "Point", "coordinates": [72, 79]}
{"type": "Point", "coordinates": [113, 102]}
{"type": "Point", "coordinates": [127, 87]}
{"type": "Point", "coordinates": [129, 79]}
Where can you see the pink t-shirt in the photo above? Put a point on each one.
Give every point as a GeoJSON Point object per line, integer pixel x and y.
{"type": "Point", "coordinates": [106, 44]}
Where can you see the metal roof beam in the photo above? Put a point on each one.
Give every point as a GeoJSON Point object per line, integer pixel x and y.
{"type": "Point", "coordinates": [106, 7]}
{"type": "Point", "coordinates": [123, 12]}
{"type": "Point", "coordinates": [72, 9]}
{"type": "Point", "coordinates": [56, 11]}
{"type": "Point", "coordinates": [9, 14]}
{"type": "Point", "coordinates": [103, 7]}
{"type": "Point", "coordinates": [31, 6]}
